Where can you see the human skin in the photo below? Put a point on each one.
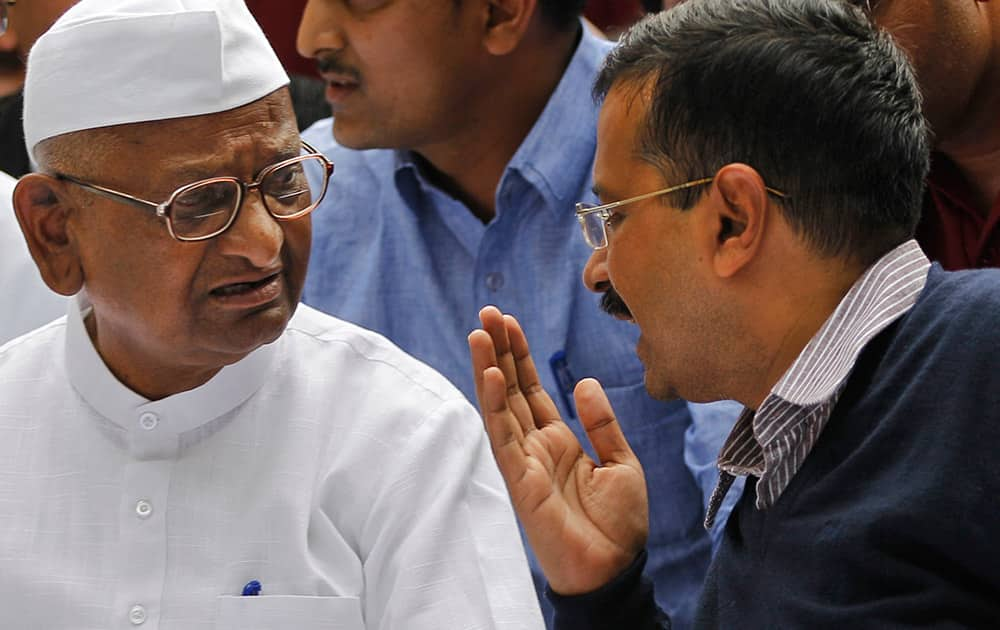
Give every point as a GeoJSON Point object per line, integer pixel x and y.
{"type": "Point", "coordinates": [168, 315]}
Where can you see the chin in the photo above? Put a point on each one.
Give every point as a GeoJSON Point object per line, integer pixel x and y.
{"type": "Point", "coordinates": [354, 135]}
{"type": "Point", "coordinates": [258, 329]}
{"type": "Point", "coordinates": [660, 390]}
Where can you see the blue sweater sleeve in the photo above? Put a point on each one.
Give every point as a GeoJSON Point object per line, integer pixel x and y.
{"type": "Point", "coordinates": [625, 602]}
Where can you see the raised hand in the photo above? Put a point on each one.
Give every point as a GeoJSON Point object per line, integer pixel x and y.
{"type": "Point", "coordinates": [585, 521]}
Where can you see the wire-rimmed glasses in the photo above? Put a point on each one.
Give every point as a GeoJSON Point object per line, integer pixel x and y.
{"type": "Point", "coordinates": [3, 14]}
{"type": "Point", "coordinates": [207, 208]}
{"type": "Point", "coordinates": [594, 220]}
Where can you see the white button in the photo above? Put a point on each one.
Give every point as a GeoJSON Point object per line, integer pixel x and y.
{"type": "Point", "coordinates": [143, 508]}
{"type": "Point", "coordinates": [149, 421]}
{"type": "Point", "coordinates": [137, 615]}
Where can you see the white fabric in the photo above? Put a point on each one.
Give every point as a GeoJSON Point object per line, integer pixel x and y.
{"type": "Point", "coordinates": [352, 481]}
{"type": "Point", "coordinates": [27, 302]}
{"type": "Point", "coordinates": [112, 62]}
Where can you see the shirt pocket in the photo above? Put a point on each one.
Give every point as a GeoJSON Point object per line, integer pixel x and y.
{"type": "Point", "coordinates": [277, 612]}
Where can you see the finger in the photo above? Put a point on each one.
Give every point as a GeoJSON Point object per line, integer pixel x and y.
{"type": "Point", "coordinates": [483, 356]}
{"type": "Point", "coordinates": [494, 323]}
{"type": "Point", "coordinates": [503, 429]}
{"type": "Point", "coordinates": [603, 430]}
{"type": "Point", "coordinates": [542, 408]}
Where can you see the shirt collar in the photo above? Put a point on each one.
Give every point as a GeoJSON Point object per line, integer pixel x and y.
{"type": "Point", "coordinates": [879, 297]}
{"type": "Point", "coordinates": [170, 416]}
{"type": "Point", "coordinates": [556, 156]}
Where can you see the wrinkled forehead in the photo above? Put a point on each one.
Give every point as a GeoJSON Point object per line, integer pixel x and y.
{"type": "Point", "coordinates": [169, 153]}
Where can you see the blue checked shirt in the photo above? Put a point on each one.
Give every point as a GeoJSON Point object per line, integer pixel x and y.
{"type": "Point", "coordinates": [397, 255]}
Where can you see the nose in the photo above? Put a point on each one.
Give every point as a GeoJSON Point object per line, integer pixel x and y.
{"type": "Point", "coordinates": [595, 273]}
{"type": "Point", "coordinates": [255, 235]}
{"type": "Point", "coordinates": [318, 30]}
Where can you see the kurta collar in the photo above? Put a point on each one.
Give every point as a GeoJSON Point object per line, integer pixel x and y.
{"type": "Point", "coordinates": [154, 426]}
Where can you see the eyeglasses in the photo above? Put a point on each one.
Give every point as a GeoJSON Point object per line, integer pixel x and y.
{"type": "Point", "coordinates": [207, 208]}
{"type": "Point", "coordinates": [3, 14]}
{"type": "Point", "coordinates": [595, 220]}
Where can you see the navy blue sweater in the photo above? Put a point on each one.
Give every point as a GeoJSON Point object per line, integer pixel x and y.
{"type": "Point", "coordinates": [890, 521]}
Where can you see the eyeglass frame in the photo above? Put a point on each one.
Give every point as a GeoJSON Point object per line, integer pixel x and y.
{"type": "Point", "coordinates": [161, 209]}
{"type": "Point", "coordinates": [584, 209]}
{"type": "Point", "coordinates": [4, 19]}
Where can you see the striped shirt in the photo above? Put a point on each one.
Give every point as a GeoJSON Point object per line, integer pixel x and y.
{"type": "Point", "coordinates": [772, 442]}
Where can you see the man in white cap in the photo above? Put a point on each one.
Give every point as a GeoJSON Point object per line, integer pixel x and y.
{"type": "Point", "coordinates": [180, 451]}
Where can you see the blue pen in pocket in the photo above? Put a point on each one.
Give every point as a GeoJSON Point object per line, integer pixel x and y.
{"type": "Point", "coordinates": [564, 381]}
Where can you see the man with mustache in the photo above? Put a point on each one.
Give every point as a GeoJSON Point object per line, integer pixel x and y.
{"type": "Point", "coordinates": [189, 448]}
{"type": "Point", "coordinates": [762, 166]}
{"type": "Point", "coordinates": [463, 133]}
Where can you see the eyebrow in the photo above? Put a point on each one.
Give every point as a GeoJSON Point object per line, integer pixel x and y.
{"type": "Point", "coordinates": [197, 170]}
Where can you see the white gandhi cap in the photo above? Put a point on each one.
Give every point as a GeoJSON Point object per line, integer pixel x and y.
{"type": "Point", "coordinates": [114, 62]}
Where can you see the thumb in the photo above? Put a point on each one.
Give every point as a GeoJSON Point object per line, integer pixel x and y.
{"type": "Point", "coordinates": [598, 419]}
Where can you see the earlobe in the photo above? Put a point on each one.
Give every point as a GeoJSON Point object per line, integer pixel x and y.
{"type": "Point", "coordinates": [43, 213]}
{"type": "Point", "coordinates": [741, 211]}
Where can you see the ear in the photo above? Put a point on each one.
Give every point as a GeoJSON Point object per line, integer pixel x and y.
{"type": "Point", "coordinates": [506, 24]}
{"type": "Point", "coordinates": [43, 210]}
{"type": "Point", "coordinates": [740, 208]}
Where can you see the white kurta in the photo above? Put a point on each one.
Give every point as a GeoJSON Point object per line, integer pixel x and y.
{"type": "Point", "coordinates": [353, 482]}
{"type": "Point", "coordinates": [26, 302]}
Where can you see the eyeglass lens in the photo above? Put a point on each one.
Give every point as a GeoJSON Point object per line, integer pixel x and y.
{"type": "Point", "coordinates": [593, 227]}
{"type": "Point", "coordinates": [208, 207]}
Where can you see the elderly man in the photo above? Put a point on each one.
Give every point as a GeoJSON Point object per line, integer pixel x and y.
{"type": "Point", "coordinates": [187, 448]}
{"type": "Point", "coordinates": [464, 132]}
{"type": "Point", "coordinates": [762, 163]}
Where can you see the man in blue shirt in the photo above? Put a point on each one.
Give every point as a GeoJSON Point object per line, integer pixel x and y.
{"type": "Point", "coordinates": [462, 135]}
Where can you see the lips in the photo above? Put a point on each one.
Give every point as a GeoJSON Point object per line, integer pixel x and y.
{"type": "Point", "coordinates": [339, 88]}
{"type": "Point", "coordinates": [249, 293]}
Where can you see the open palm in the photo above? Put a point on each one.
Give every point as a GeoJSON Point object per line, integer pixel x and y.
{"type": "Point", "coordinates": [585, 521]}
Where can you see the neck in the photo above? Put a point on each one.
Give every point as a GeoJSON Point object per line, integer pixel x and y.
{"type": "Point", "coordinates": [149, 378]}
{"type": "Point", "coordinates": [793, 318]}
{"type": "Point", "coordinates": [470, 163]}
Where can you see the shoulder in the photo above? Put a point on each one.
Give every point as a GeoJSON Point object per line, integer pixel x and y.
{"type": "Point", "coordinates": [6, 187]}
{"type": "Point", "coordinates": [962, 302]}
{"type": "Point", "coordinates": [341, 352]}
{"type": "Point", "coordinates": [31, 356]}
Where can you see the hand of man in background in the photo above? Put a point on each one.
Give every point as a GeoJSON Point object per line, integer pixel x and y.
{"type": "Point", "coordinates": [585, 521]}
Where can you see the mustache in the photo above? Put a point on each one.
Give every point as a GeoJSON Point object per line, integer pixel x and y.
{"type": "Point", "coordinates": [612, 304]}
{"type": "Point", "coordinates": [331, 64]}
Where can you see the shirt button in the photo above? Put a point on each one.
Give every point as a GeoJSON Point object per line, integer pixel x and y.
{"type": "Point", "coordinates": [149, 421]}
{"type": "Point", "coordinates": [143, 508]}
{"type": "Point", "coordinates": [494, 281]}
{"type": "Point", "coordinates": [137, 615]}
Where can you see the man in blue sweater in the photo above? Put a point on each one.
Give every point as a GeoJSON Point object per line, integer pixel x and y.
{"type": "Point", "coordinates": [761, 164]}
